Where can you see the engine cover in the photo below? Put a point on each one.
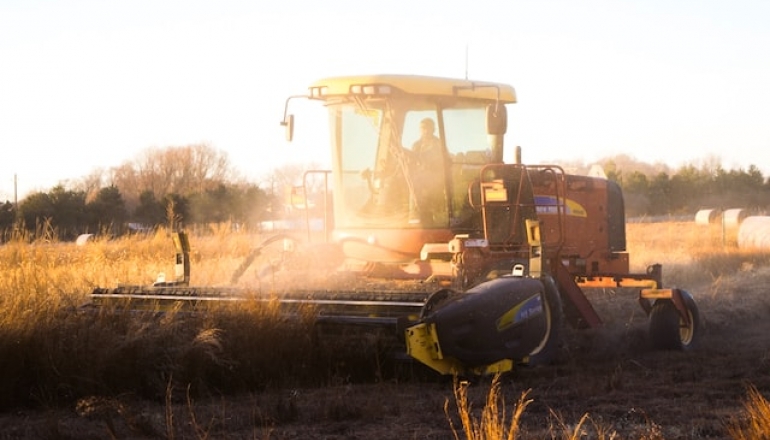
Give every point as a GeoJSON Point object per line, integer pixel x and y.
{"type": "Point", "coordinates": [504, 318]}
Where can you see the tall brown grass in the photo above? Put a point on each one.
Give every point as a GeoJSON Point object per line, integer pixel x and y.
{"type": "Point", "coordinates": [492, 422]}
{"type": "Point", "coordinates": [53, 351]}
{"type": "Point", "coordinates": [690, 254]}
{"type": "Point", "coordinates": [754, 423]}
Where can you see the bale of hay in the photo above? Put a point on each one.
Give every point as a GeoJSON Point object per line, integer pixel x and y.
{"type": "Point", "coordinates": [83, 239]}
{"type": "Point", "coordinates": [754, 232]}
{"type": "Point", "coordinates": [733, 218]}
{"type": "Point", "coordinates": [706, 216]}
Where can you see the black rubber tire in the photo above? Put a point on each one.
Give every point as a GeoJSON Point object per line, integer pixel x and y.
{"type": "Point", "coordinates": [550, 348]}
{"type": "Point", "coordinates": [668, 330]}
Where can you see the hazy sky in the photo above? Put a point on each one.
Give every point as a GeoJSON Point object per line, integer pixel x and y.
{"type": "Point", "coordinates": [91, 84]}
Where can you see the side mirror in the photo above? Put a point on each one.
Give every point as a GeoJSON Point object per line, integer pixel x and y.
{"type": "Point", "coordinates": [288, 123]}
{"type": "Point", "coordinates": [497, 119]}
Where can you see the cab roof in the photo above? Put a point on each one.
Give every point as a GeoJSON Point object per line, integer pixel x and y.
{"type": "Point", "coordinates": [414, 84]}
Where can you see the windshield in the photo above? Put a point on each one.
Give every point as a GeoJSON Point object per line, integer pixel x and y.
{"type": "Point", "coordinates": [406, 162]}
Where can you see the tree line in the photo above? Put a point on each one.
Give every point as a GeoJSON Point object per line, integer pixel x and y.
{"type": "Point", "coordinates": [655, 191]}
{"type": "Point", "coordinates": [181, 186]}
{"type": "Point", "coordinates": [195, 184]}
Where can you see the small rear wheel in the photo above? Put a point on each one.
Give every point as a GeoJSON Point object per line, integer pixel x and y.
{"type": "Point", "coordinates": [669, 330]}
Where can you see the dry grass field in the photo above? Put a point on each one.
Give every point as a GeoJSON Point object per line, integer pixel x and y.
{"type": "Point", "coordinates": [242, 371]}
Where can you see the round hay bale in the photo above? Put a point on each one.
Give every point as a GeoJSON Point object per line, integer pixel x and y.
{"type": "Point", "coordinates": [706, 216]}
{"type": "Point", "coordinates": [733, 218]}
{"type": "Point", "coordinates": [83, 239]}
{"type": "Point", "coordinates": [754, 232]}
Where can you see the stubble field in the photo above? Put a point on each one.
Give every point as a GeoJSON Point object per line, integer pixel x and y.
{"type": "Point", "coordinates": [66, 374]}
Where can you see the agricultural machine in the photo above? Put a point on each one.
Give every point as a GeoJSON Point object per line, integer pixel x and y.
{"type": "Point", "coordinates": [472, 263]}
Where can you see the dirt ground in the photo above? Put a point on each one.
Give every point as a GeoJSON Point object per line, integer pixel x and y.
{"type": "Point", "coordinates": [626, 389]}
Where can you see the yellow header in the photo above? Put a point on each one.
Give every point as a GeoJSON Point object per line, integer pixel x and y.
{"type": "Point", "coordinates": [412, 84]}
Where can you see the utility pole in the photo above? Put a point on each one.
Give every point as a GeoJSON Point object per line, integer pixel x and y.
{"type": "Point", "coordinates": [466, 61]}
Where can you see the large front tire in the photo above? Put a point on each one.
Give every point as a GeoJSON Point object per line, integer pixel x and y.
{"type": "Point", "coordinates": [669, 330]}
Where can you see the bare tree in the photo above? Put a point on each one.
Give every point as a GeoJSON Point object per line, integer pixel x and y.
{"type": "Point", "coordinates": [91, 184]}
{"type": "Point", "coordinates": [126, 178]}
{"type": "Point", "coordinates": [181, 170]}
